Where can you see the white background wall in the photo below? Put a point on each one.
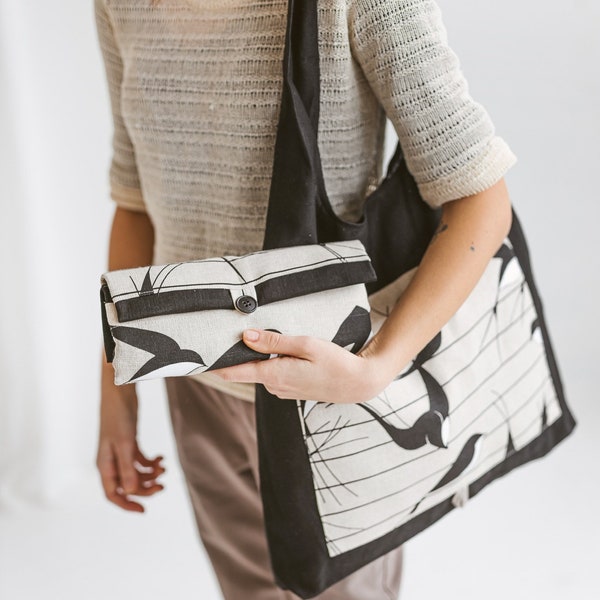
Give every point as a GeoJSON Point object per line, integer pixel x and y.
{"type": "Point", "coordinates": [535, 534]}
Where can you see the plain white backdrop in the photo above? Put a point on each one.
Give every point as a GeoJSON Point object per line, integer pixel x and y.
{"type": "Point", "coordinates": [533, 534]}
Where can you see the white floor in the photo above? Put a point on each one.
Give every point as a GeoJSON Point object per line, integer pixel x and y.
{"type": "Point", "coordinates": [532, 534]}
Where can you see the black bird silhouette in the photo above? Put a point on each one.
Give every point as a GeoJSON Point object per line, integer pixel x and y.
{"type": "Point", "coordinates": [146, 284]}
{"type": "Point", "coordinates": [438, 401]}
{"type": "Point", "coordinates": [437, 396]}
{"type": "Point", "coordinates": [165, 349]}
{"type": "Point", "coordinates": [506, 254]}
{"type": "Point", "coordinates": [424, 355]}
{"type": "Point", "coordinates": [147, 287]}
{"type": "Point", "coordinates": [427, 428]}
{"type": "Point", "coordinates": [354, 330]}
{"type": "Point", "coordinates": [239, 353]}
{"type": "Point", "coordinates": [432, 426]}
{"type": "Point", "coordinates": [464, 460]}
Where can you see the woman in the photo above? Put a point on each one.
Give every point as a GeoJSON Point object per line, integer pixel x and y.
{"type": "Point", "coordinates": [195, 88]}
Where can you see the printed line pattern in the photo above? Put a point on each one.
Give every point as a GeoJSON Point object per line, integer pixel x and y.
{"type": "Point", "coordinates": [492, 367]}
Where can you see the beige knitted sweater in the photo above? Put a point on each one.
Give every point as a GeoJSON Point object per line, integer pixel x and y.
{"type": "Point", "coordinates": [195, 89]}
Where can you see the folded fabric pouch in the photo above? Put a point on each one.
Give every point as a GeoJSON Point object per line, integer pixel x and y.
{"type": "Point", "coordinates": [188, 317]}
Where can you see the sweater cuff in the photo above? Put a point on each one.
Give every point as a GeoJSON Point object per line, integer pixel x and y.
{"type": "Point", "coordinates": [127, 197]}
{"type": "Point", "coordinates": [476, 176]}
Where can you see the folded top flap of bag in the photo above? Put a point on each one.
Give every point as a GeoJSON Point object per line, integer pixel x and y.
{"type": "Point", "coordinates": [257, 278]}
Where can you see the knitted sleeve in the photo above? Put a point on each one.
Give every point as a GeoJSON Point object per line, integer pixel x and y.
{"type": "Point", "coordinates": [123, 175]}
{"type": "Point", "coordinates": [447, 138]}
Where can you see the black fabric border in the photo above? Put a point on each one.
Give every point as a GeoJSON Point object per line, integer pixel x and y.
{"type": "Point", "coordinates": [109, 342]}
{"type": "Point", "coordinates": [521, 250]}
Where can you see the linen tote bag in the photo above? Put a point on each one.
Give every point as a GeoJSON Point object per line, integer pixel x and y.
{"type": "Point", "coordinates": [343, 484]}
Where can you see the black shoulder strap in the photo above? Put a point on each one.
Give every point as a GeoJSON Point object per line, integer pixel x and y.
{"type": "Point", "coordinates": [298, 198]}
{"type": "Point", "coordinates": [291, 215]}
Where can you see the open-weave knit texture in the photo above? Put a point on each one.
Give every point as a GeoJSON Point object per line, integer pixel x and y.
{"type": "Point", "coordinates": [195, 87]}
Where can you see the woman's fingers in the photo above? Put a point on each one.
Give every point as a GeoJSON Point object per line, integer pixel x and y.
{"type": "Point", "coordinates": [146, 462]}
{"type": "Point", "coordinates": [120, 500]}
{"type": "Point", "coordinates": [148, 491]}
{"type": "Point", "coordinates": [152, 469]}
{"type": "Point", "coordinates": [133, 481]}
{"type": "Point", "coordinates": [120, 476]}
{"type": "Point", "coordinates": [147, 477]}
{"type": "Point", "coordinates": [109, 476]}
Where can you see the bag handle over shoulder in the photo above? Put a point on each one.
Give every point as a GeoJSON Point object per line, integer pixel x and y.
{"type": "Point", "coordinates": [395, 222]}
{"type": "Point", "coordinates": [291, 216]}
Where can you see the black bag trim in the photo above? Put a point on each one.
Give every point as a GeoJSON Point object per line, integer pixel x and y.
{"type": "Point", "coordinates": [109, 342]}
{"type": "Point", "coordinates": [271, 290]}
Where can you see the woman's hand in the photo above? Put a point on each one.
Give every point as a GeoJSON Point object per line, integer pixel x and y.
{"type": "Point", "coordinates": [124, 470]}
{"type": "Point", "coordinates": [311, 369]}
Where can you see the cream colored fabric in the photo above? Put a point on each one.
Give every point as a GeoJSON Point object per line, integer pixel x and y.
{"type": "Point", "coordinates": [195, 87]}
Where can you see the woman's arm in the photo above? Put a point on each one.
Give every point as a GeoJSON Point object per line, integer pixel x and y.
{"type": "Point", "coordinates": [470, 232]}
{"type": "Point", "coordinates": [131, 245]}
{"type": "Point", "coordinates": [131, 240]}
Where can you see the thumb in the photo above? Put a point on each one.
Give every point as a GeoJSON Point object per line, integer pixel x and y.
{"type": "Point", "coordinates": [273, 342]}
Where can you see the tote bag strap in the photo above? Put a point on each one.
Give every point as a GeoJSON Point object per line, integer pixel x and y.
{"type": "Point", "coordinates": [291, 215]}
{"type": "Point", "coordinates": [395, 222]}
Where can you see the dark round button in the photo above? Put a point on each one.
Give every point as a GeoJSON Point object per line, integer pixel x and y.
{"type": "Point", "coordinates": [246, 304]}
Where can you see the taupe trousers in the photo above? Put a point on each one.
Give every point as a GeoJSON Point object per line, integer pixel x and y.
{"type": "Point", "coordinates": [215, 434]}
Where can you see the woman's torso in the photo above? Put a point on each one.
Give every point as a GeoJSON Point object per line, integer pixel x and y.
{"type": "Point", "coordinates": [200, 100]}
